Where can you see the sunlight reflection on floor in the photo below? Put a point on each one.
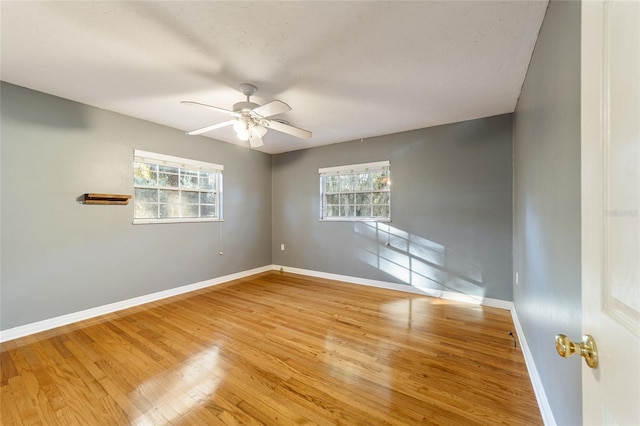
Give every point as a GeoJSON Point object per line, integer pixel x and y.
{"type": "Point", "coordinates": [199, 377]}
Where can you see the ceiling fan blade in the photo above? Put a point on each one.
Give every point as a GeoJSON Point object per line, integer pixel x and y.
{"type": "Point", "coordinates": [215, 108]}
{"type": "Point", "coordinates": [254, 140]}
{"type": "Point", "coordinates": [210, 128]}
{"type": "Point", "coordinates": [272, 108]}
{"type": "Point", "coordinates": [288, 129]}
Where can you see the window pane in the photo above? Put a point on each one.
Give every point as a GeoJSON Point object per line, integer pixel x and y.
{"type": "Point", "coordinates": [146, 195]}
{"type": "Point", "coordinates": [346, 211]}
{"type": "Point", "coordinates": [208, 197]}
{"type": "Point", "coordinates": [168, 180]}
{"type": "Point", "coordinates": [381, 211]}
{"type": "Point", "coordinates": [190, 210]}
{"type": "Point", "coordinates": [144, 174]}
{"type": "Point", "coordinates": [332, 211]}
{"type": "Point", "coordinates": [207, 180]}
{"type": "Point", "coordinates": [188, 181]}
{"type": "Point", "coordinates": [363, 198]}
{"type": "Point", "coordinates": [169, 210]}
{"type": "Point", "coordinates": [190, 197]}
{"type": "Point", "coordinates": [380, 180]}
{"type": "Point", "coordinates": [332, 183]}
{"type": "Point", "coordinates": [363, 211]}
{"type": "Point", "coordinates": [146, 211]}
{"type": "Point", "coordinates": [380, 198]}
{"type": "Point", "coordinates": [347, 199]}
{"type": "Point", "coordinates": [208, 211]}
{"type": "Point", "coordinates": [347, 183]}
{"type": "Point", "coordinates": [363, 181]}
{"type": "Point", "coordinates": [169, 196]}
{"type": "Point", "coordinates": [333, 199]}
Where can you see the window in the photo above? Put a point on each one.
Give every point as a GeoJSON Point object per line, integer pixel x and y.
{"type": "Point", "coordinates": [172, 189]}
{"type": "Point", "coordinates": [357, 192]}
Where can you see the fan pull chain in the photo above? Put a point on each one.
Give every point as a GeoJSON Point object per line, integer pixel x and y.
{"type": "Point", "coordinates": [220, 237]}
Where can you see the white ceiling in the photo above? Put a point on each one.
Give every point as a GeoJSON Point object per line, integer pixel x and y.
{"type": "Point", "coordinates": [349, 70]}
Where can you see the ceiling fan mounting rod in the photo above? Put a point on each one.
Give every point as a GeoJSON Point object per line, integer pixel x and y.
{"type": "Point", "coordinates": [248, 90]}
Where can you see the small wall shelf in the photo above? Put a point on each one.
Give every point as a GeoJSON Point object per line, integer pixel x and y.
{"type": "Point", "coordinates": [112, 199]}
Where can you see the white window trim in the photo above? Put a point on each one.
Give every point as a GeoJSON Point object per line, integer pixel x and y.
{"type": "Point", "coordinates": [355, 168]}
{"type": "Point", "coordinates": [169, 160]}
{"type": "Point", "coordinates": [373, 167]}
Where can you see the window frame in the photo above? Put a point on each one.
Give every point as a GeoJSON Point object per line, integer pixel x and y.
{"type": "Point", "coordinates": [355, 169]}
{"type": "Point", "coordinates": [140, 156]}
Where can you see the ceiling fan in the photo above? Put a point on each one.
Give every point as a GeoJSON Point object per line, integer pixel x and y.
{"type": "Point", "coordinates": [250, 120]}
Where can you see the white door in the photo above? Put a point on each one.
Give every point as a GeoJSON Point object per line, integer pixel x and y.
{"type": "Point", "coordinates": [611, 209]}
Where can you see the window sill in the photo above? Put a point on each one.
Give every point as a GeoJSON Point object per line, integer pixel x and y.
{"type": "Point", "coordinates": [174, 220]}
{"type": "Point", "coordinates": [356, 219]}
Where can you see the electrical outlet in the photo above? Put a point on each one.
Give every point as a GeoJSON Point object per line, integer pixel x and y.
{"type": "Point", "coordinates": [282, 247]}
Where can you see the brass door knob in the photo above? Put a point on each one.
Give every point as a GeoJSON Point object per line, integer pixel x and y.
{"type": "Point", "coordinates": [587, 348]}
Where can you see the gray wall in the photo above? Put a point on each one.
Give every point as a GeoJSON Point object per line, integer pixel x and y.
{"type": "Point", "coordinates": [547, 205]}
{"type": "Point", "coordinates": [59, 256]}
{"type": "Point", "coordinates": [451, 210]}
{"type": "Point", "coordinates": [451, 206]}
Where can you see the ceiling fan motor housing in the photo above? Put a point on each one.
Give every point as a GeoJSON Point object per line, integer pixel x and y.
{"type": "Point", "coordinates": [245, 106]}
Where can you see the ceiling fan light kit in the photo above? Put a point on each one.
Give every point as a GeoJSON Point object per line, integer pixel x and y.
{"type": "Point", "coordinates": [250, 120]}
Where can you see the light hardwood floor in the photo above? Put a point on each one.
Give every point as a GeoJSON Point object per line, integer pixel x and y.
{"type": "Point", "coordinates": [277, 349]}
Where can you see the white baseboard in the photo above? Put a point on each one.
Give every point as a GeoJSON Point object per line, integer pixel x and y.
{"type": "Point", "coordinates": [48, 324]}
{"type": "Point", "coordinates": [536, 382]}
{"type": "Point", "coordinates": [442, 294]}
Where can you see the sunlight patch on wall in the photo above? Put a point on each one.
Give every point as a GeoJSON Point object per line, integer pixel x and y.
{"type": "Point", "coordinates": [418, 261]}
{"type": "Point", "coordinates": [426, 250]}
{"type": "Point", "coordinates": [403, 273]}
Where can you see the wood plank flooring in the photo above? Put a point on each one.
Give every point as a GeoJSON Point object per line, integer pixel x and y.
{"type": "Point", "coordinates": [275, 349]}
